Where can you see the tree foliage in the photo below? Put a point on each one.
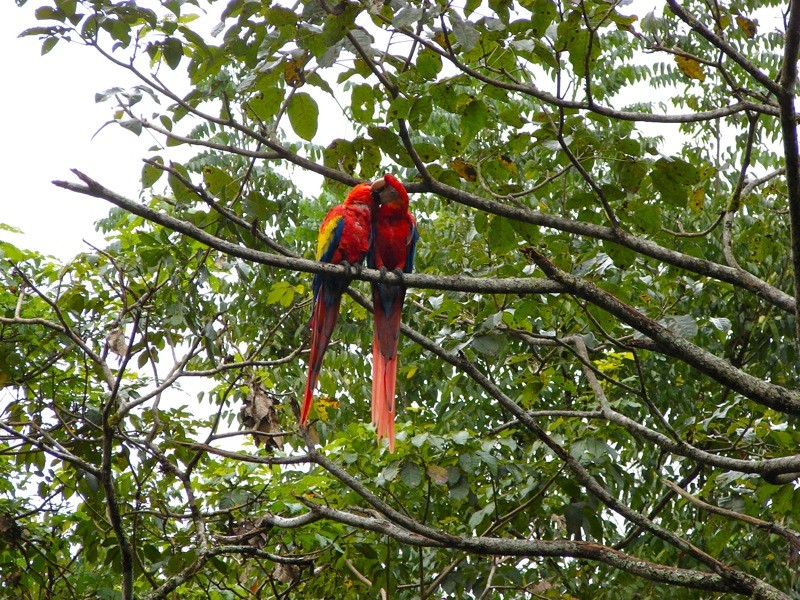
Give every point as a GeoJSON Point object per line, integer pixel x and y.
{"type": "Point", "coordinates": [598, 377]}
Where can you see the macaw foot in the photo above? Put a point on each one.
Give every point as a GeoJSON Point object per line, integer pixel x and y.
{"type": "Point", "coordinates": [348, 269]}
{"type": "Point", "coordinates": [396, 271]}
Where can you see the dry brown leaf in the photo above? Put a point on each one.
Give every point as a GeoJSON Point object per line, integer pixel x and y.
{"type": "Point", "coordinates": [253, 531]}
{"type": "Point", "coordinates": [285, 573]}
{"type": "Point", "coordinates": [116, 342]}
{"type": "Point", "coordinates": [259, 412]}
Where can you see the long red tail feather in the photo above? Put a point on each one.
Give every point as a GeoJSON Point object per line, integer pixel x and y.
{"type": "Point", "coordinates": [323, 321]}
{"type": "Point", "coordinates": [384, 367]}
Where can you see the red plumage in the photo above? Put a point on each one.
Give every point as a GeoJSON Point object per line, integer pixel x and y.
{"type": "Point", "coordinates": [394, 242]}
{"type": "Point", "coordinates": [344, 236]}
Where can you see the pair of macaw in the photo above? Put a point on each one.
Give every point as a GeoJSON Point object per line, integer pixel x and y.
{"type": "Point", "coordinates": [373, 223]}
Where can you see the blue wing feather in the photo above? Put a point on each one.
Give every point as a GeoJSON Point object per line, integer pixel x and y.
{"type": "Point", "coordinates": [412, 248]}
{"type": "Point", "coordinates": [330, 233]}
{"type": "Point", "coordinates": [329, 236]}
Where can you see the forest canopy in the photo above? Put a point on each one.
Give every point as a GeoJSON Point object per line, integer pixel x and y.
{"type": "Point", "coordinates": [598, 367]}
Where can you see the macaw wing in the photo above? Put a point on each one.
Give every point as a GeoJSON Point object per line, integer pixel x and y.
{"type": "Point", "coordinates": [330, 234]}
{"type": "Point", "coordinates": [411, 247]}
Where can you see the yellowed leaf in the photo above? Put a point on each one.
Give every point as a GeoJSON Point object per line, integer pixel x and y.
{"type": "Point", "coordinates": [293, 72]}
{"type": "Point", "coordinates": [508, 164]}
{"type": "Point", "coordinates": [748, 26]}
{"type": "Point", "coordinates": [464, 169]}
{"type": "Point", "coordinates": [698, 199]}
{"type": "Point", "coordinates": [322, 404]}
{"type": "Point", "coordinates": [690, 67]}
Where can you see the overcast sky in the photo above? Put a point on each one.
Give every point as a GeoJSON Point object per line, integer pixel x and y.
{"type": "Point", "coordinates": [49, 118]}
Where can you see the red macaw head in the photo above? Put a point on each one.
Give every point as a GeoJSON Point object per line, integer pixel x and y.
{"type": "Point", "coordinates": [360, 194]}
{"type": "Point", "coordinates": [389, 190]}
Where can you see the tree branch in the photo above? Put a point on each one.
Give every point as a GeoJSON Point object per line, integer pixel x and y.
{"type": "Point", "coordinates": [519, 285]}
{"type": "Point", "coordinates": [786, 93]}
{"type": "Point", "coordinates": [493, 546]}
{"type": "Point", "coordinates": [762, 392]}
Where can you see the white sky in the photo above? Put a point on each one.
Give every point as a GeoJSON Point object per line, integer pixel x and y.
{"type": "Point", "coordinates": [49, 118]}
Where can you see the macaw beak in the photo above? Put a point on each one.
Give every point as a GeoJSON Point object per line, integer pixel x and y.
{"type": "Point", "coordinates": [376, 190]}
{"type": "Point", "coordinates": [382, 192]}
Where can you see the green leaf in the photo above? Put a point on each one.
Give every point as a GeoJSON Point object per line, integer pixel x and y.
{"type": "Point", "coordinates": [182, 193]}
{"type": "Point", "coordinates": [672, 191]}
{"type": "Point", "coordinates": [489, 344]}
{"type": "Point", "coordinates": [266, 103]}
{"type": "Point", "coordinates": [630, 174]}
{"type": "Point", "coordinates": [583, 47]}
{"type": "Point", "coordinates": [543, 13]}
{"type": "Point", "coordinates": [501, 235]}
{"type": "Point", "coordinates": [471, 6]}
{"type": "Point", "coordinates": [220, 183]}
{"type": "Point", "coordinates": [151, 174]}
{"type": "Point", "coordinates": [429, 64]}
{"type": "Point", "coordinates": [281, 292]}
{"type": "Point", "coordinates": [362, 103]}
{"type": "Point", "coordinates": [474, 118]}
{"type": "Point", "coordinates": [48, 44]}
{"type": "Point", "coordinates": [303, 114]}
{"type": "Point", "coordinates": [280, 16]}
{"type": "Point", "coordinates": [173, 52]}
{"type": "Point", "coordinates": [683, 325]}
{"type": "Point", "coordinates": [411, 474]}
{"type": "Point", "coordinates": [390, 144]}
{"type": "Point", "coordinates": [465, 32]}
{"type": "Point", "coordinates": [623, 257]}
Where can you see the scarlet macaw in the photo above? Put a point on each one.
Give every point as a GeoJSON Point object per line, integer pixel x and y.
{"type": "Point", "coordinates": [394, 241]}
{"type": "Point", "coordinates": [344, 237]}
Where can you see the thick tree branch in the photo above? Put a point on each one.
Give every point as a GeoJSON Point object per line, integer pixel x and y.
{"type": "Point", "coordinates": [539, 548]}
{"type": "Point", "coordinates": [453, 283]}
{"type": "Point", "coordinates": [786, 95]}
{"type": "Point", "coordinates": [762, 392]}
{"type": "Point", "coordinates": [736, 277]}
